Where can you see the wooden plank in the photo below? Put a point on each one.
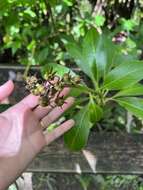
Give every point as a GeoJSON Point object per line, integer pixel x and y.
{"type": "Point", "coordinates": [109, 153]}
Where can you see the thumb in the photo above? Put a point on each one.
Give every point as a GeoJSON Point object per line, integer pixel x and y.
{"type": "Point", "coordinates": [6, 89]}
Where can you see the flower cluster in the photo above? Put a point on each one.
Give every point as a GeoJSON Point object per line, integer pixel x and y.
{"type": "Point", "coordinates": [49, 88]}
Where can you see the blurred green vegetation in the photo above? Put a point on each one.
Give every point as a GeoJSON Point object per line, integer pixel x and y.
{"type": "Point", "coordinates": [35, 32]}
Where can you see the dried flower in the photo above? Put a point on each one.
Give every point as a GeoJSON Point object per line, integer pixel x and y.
{"type": "Point", "coordinates": [49, 89]}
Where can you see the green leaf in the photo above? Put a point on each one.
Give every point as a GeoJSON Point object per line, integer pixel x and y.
{"type": "Point", "coordinates": [77, 137]}
{"type": "Point", "coordinates": [95, 54]}
{"type": "Point", "coordinates": [120, 57]}
{"type": "Point", "coordinates": [85, 55]}
{"type": "Point", "coordinates": [29, 12]}
{"type": "Point", "coordinates": [31, 45]}
{"type": "Point", "coordinates": [101, 58]}
{"type": "Point", "coordinates": [135, 90]}
{"type": "Point", "coordinates": [15, 46]}
{"type": "Point", "coordinates": [76, 91]}
{"type": "Point", "coordinates": [113, 53]}
{"type": "Point", "coordinates": [60, 70]}
{"type": "Point", "coordinates": [95, 111]}
{"type": "Point", "coordinates": [53, 3]}
{"type": "Point", "coordinates": [74, 50]}
{"type": "Point", "coordinates": [130, 43]}
{"type": "Point", "coordinates": [132, 104]}
{"type": "Point", "coordinates": [124, 75]}
{"type": "Point", "coordinates": [42, 55]}
{"type": "Point", "coordinates": [128, 24]}
{"type": "Point", "coordinates": [23, 2]}
{"type": "Point", "coordinates": [99, 20]}
{"type": "Point", "coordinates": [68, 2]}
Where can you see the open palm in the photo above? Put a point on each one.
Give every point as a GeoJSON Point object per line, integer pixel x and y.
{"type": "Point", "coordinates": [21, 134]}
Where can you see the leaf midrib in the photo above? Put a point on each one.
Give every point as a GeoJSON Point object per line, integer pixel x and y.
{"type": "Point", "coordinates": [80, 124]}
{"type": "Point", "coordinates": [126, 91]}
{"type": "Point", "coordinates": [110, 83]}
{"type": "Point", "coordinates": [130, 105]}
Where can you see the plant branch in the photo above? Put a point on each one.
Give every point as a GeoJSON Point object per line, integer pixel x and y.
{"type": "Point", "coordinates": [51, 14]}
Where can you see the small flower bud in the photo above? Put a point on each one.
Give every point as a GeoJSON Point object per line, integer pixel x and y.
{"type": "Point", "coordinates": [43, 101]}
{"type": "Point", "coordinates": [76, 79]}
{"type": "Point", "coordinates": [35, 92]}
{"type": "Point", "coordinates": [40, 88]}
{"type": "Point", "coordinates": [66, 77]}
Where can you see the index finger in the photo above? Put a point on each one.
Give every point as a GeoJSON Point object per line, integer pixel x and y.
{"type": "Point", "coordinates": [30, 101]}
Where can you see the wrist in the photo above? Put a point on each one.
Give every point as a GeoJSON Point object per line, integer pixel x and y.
{"type": "Point", "coordinates": [13, 167]}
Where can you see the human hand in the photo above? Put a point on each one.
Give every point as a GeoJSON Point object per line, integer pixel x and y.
{"type": "Point", "coordinates": [21, 135]}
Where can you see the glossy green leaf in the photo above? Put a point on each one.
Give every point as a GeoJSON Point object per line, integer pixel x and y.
{"type": "Point", "coordinates": [77, 137]}
{"type": "Point", "coordinates": [82, 61]}
{"type": "Point", "coordinates": [74, 50]}
{"type": "Point", "coordinates": [76, 91]}
{"type": "Point", "coordinates": [124, 75]}
{"type": "Point", "coordinates": [93, 52]}
{"type": "Point", "coordinates": [101, 59]}
{"type": "Point", "coordinates": [113, 53]}
{"type": "Point", "coordinates": [135, 90]}
{"type": "Point", "coordinates": [95, 55]}
{"type": "Point", "coordinates": [42, 55]}
{"type": "Point", "coordinates": [120, 57]}
{"type": "Point", "coordinates": [60, 70]}
{"type": "Point", "coordinates": [95, 111]}
{"type": "Point", "coordinates": [133, 105]}
{"type": "Point", "coordinates": [85, 54]}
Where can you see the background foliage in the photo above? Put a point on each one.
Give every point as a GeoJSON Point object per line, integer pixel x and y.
{"type": "Point", "coordinates": [34, 32]}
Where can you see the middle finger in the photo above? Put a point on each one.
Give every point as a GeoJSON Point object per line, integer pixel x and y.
{"type": "Point", "coordinates": [41, 112]}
